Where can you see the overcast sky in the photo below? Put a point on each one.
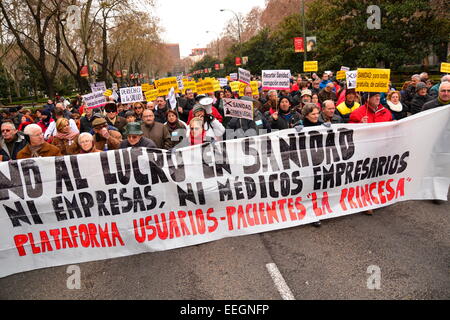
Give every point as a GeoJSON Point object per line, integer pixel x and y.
{"type": "Point", "coordinates": [186, 21]}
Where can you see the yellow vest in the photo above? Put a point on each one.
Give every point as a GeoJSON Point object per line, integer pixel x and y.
{"type": "Point", "coordinates": [343, 109]}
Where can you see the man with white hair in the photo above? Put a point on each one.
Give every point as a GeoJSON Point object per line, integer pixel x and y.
{"type": "Point", "coordinates": [37, 147]}
{"type": "Point", "coordinates": [443, 98]}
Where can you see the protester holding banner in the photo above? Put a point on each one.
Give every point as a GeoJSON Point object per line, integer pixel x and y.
{"type": "Point", "coordinates": [177, 129]}
{"type": "Point", "coordinates": [420, 98]}
{"type": "Point", "coordinates": [37, 146]}
{"type": "Point", "coordinates": [105, 138]}
{"type": "Point", "coordinates": [155, 131]}
{"type": "Point", "coordinates": [66, 139]}
{"type": "Point", "coordinates": [284, 117]}
{"type": "Point", "coordinates": [86, 143]}
{"type": "Point", "coordinates": [135, 138]}
{"type": "Point", "coordinates": [395, 106]}
{"type": "Point", "coordinates": [371, 111]}
{"type": "Point", "coordinates": [348, 106]}
{"type": "Point", "coordinates": [11, 142]}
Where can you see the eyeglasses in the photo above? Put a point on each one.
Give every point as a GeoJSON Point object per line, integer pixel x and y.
{"type": "Point", "coordinates": [6, 130]}
{"type": "Point", "coordinates": [101, 126]}
{"type": "Point", "coordinates": [443, 90]}
{"type": "Point", "coordinates": [139, 108]}
{"type": "Point", "coordinates": [111, 111]}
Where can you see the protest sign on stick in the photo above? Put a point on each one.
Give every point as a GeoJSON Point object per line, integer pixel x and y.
{"type": "Point", "coordinates": [131, 94]}
{"type": "Point", "coordinates": [238, 108]}
{"type": "Point", "coordinates": [372, 80]}
{"type": "Point", "coordinates": [276, 79]}
{"type": "Point", "coordinates": [94, 100]}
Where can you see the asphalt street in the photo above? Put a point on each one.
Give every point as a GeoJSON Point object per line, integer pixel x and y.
{"type": "Point", "coordinates": [409, 243]}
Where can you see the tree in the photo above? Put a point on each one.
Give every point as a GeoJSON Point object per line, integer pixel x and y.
{"type": "Point", "coordinates": [410, 31]}
{"type": "Point", "coordinates": [36, 30]}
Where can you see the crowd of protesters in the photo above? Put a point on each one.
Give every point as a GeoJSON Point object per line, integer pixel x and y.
{"type": "Point", "coordinates": [70, 128]}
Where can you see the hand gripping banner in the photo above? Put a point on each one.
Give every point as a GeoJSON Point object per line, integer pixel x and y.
{"type": "Point", "coordinates": [73, 209]}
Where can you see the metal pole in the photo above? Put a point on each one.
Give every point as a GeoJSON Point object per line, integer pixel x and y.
{"type": "Point", "coordinates": [304, 30]}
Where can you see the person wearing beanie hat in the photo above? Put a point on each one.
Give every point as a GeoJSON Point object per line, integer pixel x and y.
{"type": "Point", "coordinates": [45, 119]}
{"type": "Point", "coordinates": [349, 105]}
{"type": "Point", "coordinates": [113, 119]}
{"type": "Point", "coordinates": [420, 98]}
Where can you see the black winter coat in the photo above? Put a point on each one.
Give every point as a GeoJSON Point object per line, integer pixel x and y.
{"type": "Point", "coordinates": [417, 103]}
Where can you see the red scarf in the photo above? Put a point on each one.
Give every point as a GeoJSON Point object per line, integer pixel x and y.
{"type": "Point", "coordinates": [198, 139]}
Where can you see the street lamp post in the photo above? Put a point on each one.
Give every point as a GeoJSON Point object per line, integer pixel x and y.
{"type": "Point", "coordinates": [239, 29]}
{"type": "Point", "coordinates": [217, 41]}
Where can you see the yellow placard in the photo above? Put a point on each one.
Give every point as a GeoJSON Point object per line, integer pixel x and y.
{"type": "Point", "coordinates": [254, 85]}
{"type": "Point", "coordinates": [310, 66]}
{"type": "Point", "coordinates": [445, 67]}
{"type": "Point", "coordinates": [151, 95]}
{"type": "Point", "coordinates": [340, 75]}
{"type": "Point", "coordinates": [205, 86]}
{"type": "Point", "coordinates": [166, 83]}
{"type": "Point", "coordinates": [235, 86]}
{"type": "Point", "coordinates": [242, 87]}
{"type": "Point", "coordinates": [147, 87]}
{"type": "Point", "coordinates": [216, 85]}
{"type": "Point", "coordinates": [108, 93]}
{"type": "Point", "coordinates": [373, 80]}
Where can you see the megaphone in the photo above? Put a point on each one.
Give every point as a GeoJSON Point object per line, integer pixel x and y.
{"type": "Point", "coordinates": [207, 104]}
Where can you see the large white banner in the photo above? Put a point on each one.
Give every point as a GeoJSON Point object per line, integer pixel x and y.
{"type": "Point", "coordinates": [73, 209]}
